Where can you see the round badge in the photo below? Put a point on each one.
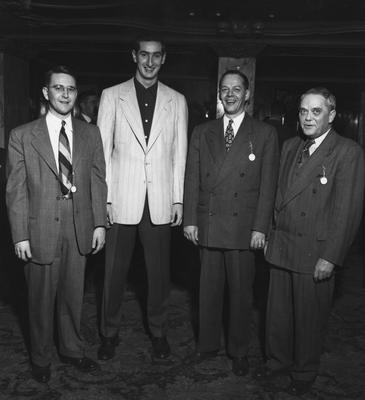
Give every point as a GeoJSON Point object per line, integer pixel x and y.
{"type": "Point", "coordinates": [323, 180]}
{"type": "Point", "coordinates": [73, 189]}
{"type": "Point", "coordinates": [252, 157]}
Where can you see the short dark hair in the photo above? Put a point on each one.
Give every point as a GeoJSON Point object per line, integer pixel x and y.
{"type": "Point", "coordinates": [235, 72]}
{"type": "Point", "coordinates": [149, 38]}
{"type": "Point", "coordinates": [85, 94]}
{"type": "Point", "coordinates": [324, 92]}
{"type": "Point", "coordinates": [58, 69]}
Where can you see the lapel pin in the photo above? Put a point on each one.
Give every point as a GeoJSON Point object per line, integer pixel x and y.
{"type": "Point", "coordinates": [323, 178]}
{"type": "Point", "coordinates": [251, 156]}
{"type": "Point", "coordinates": [73, 189]}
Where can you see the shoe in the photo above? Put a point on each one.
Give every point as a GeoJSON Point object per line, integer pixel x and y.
{"type": "Point", "coordinates": [264, 372]}
{"type": "Point", "coordinates": [106, 350]}
{"type": "Point", "coordinates": [83, 364]}
{"type": "Point", "coordinates": [240, 366]}
{"type": "Point", "coordinates": [160, 347]}
{"type": "Point", "coordinates": [41, 374]}
{"type": "Point", "coordinates": [298, 388]}
{"type": "Point", "coordinates": [199, 357]}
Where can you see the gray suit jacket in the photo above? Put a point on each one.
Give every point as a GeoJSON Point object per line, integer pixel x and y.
{"type": "Point", "coordinates": [33, 189]}
{"type": "Point", "coordinates": [312, 219]}
{"type": "Point", "coordinates": [226, 195]}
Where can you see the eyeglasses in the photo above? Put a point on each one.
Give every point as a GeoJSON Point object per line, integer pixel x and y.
{"type": "Point", "coordinates": [61, 89]}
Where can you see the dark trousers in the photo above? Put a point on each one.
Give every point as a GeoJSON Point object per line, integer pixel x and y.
{"type": "Point", "coordinates": [236, 267]}
{"type": "Point", "coordinates": [61, 282]}
{"type": "Point", "coordinates": [297, 313]}
{"type": "Point", "coordinates": [120, 243]}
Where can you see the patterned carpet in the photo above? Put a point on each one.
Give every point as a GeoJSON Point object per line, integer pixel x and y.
{"type": "Point", "coordinates": [133, 375]}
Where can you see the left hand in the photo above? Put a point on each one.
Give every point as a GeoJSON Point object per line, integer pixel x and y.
{"type": "Point", "coordinates": [323, 270]}
{"type": "Point", "coordinates": [98, 239]}
{"type": "Point", "coordinates": [257, 240]}
{"type": "Point", "coordinates": [176, 214]}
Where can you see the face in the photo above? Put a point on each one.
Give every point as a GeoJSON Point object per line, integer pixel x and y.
{"type": "Point", "coordinates": [61, 94]}
{"type": "Point", "coordinates": [90, 106]}
{"type": "Point", "coordinates": [149, 59]}
{"type": "Point", "coordinates": [315, 115]}
{"type": "Point", "coordinates": [233, 95]}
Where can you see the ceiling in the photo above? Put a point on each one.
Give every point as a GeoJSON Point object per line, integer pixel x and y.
{"type": "Point", "coordinates": [292, 39]}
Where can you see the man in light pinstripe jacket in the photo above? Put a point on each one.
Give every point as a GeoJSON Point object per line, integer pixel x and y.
{"type": "Point", "coordinates": [143, 125]}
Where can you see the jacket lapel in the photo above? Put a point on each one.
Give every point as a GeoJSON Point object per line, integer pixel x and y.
{"type": "Point", "coordinates": [42, 144]}
{"type": "Point", "coordinates": [215, 142]}
{"type": "Point", "coordinates": [309, 171]}
{"type": "Point", "coordinates": [129, 104]}
{"type": "Point", "coordinates": [78, 141]}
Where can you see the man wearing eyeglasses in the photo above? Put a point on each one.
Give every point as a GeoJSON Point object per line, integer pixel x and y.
{"type": "Point", "coordinates": [229, 195]}
{"type": "Point", "coordinates": [56, 196]}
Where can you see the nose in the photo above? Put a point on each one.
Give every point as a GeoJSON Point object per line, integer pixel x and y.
{"type": "Point", "coordinates": [149, 60]}
{"type": "Point", "coordinates": [65, 92]}
{"type": "Point", "coordinates": [308, 116]}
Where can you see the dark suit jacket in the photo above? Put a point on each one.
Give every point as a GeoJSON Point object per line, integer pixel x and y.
{"type": "Point", "coordinates": [33, 189]}
{"type": "Point", "coordinates": [227, 195]}
{"type": "Point", "coordinates": [311, 219]}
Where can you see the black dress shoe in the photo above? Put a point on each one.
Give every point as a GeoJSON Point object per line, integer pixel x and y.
{"type": "Point", "coordinates": [298, 388]}
{"type": "Point", "coordinates": [240, 366]}
{"type": "Point", "coordinates": [106, 350]}
{"type": "Point", "coordinates": [41, 374]}
{"type": "Point", "coordinates": [161, 348]}
{"type": "Point", "coordinates": [264, 372]}
{"type": "Point", "coordinates": [83, 364]}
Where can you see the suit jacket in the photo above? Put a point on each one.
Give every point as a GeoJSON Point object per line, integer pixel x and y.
{"type": "Point", "coordinates": [134, 167]}
{"type": "Point", "coordinates": [226, 195]}
{"type": "Point", "coordinates": [33, 189]}
{"type": "Point", "coordinates": [313, 219]}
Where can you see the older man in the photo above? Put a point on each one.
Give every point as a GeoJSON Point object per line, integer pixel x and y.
{"type": "Point", "coordinates": [317, 212]}
{"type": "Point", "coordinates": [229, 195]}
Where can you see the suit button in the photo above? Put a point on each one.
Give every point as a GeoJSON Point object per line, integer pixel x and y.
{"type": "Point", "coordinates": [302, 214]}
{"type": "Point", "coordinates": [212, 194]}
{"type": "Point", "coordinates": [242, 174]}
{"type": "Point", "coordinates": [208, 174]}
{"type": "Point", "coordinates": [58, 198]}
{"type": "Point", "coordinates": [235, 214]}
{"type": "Point", "coordinates": [211, 213]}
{"type": "Point", "coordinates": [300, 234]}
{"type": "Point", "coordinates": [235, 195]}
{"type": "Point", "coordinates": [314, 191]}
{"type": "Point", "coordinates": [57, 219]}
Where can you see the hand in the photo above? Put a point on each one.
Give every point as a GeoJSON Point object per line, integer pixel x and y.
{"type": "Point", "coordinates": [109, 214]}
{"type": "Point", "coordinates": [191, 233]}
{"type": "Point", "coordinates": [257, 240]}
{"type": "Point", "coordinates": [176, 214]}
{"type": "Point", "coordinates": [22, 250]}
{"type": "Point", "coordinates": [98, 239]}
{"type": "Point", "coordinates": [323, 270]}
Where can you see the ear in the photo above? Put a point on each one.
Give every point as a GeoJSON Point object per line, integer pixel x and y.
{"type": "Point", "coordinates": [45, 92]}
{"type": "Point", "coordinates": [331, 116]}
{"type": "Point", "coordinates": [134, 56]}
{"type": "Point", "coordinates": [163, 58]}
{"type": "Point", "coordinates": [247, 95]}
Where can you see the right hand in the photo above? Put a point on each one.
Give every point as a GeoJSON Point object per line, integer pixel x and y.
{"type": "Point", "coordinates": [109, 215]}
{"type": "Point", "coordinates": [191, 233]}
{"type": "Point", "coordinates": [22, 250]}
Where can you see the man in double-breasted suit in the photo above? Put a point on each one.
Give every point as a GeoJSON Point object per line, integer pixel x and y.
{"type": "Point", "coordinates": [229, 194]}
{"type": "Point", "coordinates": [143, 125]}
{"type": "Point", "coordinates": [56, 199]}
{"type": "Point", "coordinates": [317, 212]}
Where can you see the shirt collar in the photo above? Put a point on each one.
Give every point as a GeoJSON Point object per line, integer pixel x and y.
{"type": "Point", "coordinates": [320, 139]}
{"type": "Point", "coordinates": [56, 122]}
{"type": "Point", "coordinates": [236, 120]}
{"type": "Point", "coordinates": [139, 86]}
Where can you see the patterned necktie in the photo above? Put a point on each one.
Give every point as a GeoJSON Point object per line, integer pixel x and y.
{"type": "Point", "coordinates": [229, 135]}
{"type": "Point", "coordinates": [64, 161]}
{"type": "Point", "coordinates": [304, 155]}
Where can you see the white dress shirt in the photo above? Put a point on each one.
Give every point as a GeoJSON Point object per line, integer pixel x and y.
{"type": "Point", "coordinates": [236, 122]}
{"type": "Point", "coordinates": [54, 126]}
{"type": "Point", "coordinates": [317, 142]}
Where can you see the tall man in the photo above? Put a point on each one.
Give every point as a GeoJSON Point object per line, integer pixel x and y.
{"type": "Point", "coordinates": [56, 195]}
{"type": "Point", "coordinates": [317, 212]}
{"type": "Point", "coordinates": [229, 194]}
{"type": "Point", "coordinates": [143, 125]}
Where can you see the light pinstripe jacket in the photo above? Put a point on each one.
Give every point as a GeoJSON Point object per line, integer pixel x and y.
{"type": "Point", "coordinates": [134, 168]}
{"type": "Point", "coordinates": [314, 220]}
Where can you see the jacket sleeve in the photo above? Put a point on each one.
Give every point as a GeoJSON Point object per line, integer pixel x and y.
{"type": "Point", "coordinates": [16, 189]}
{"type": "Point", "coordinates": [268, 180]}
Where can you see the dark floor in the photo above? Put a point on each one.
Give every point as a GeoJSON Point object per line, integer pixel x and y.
{"type": "Point", "coordinates": [132, 375]}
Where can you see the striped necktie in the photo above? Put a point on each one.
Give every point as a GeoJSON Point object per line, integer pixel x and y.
{"type": "Point", "coordinates": [304, 155]}
{"type": "Point", "coordinates": [229, 135]}
{"type": "Point", "coordinates": [64, 161]}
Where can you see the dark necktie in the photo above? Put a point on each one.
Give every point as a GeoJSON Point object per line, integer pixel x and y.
{"type": "Point", "coordinates": [304, 155]}
{"type": "Point", "coordinates": [64, 161]}
{"type": "Point", "coordinates": [229, 135]}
